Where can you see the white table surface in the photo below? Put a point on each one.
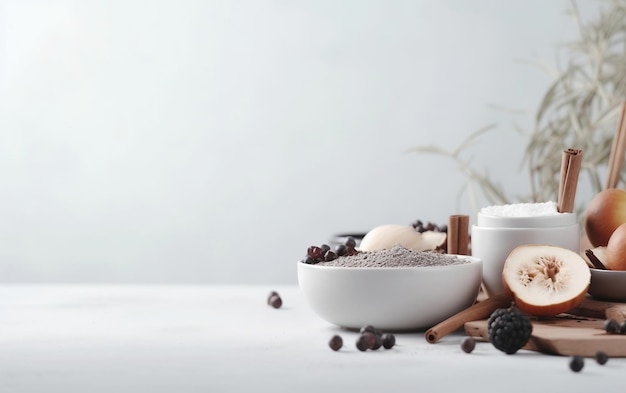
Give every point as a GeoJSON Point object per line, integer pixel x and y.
{"type": "Point", "coordinates": [99, 338]}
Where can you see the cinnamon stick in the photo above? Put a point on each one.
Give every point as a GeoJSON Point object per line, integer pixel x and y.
{"type": "Point", "coordinates": [571, 162]}
{"type": "Point", "coordinates": [477, 311]}
{"type": "Point", "coordinates": [458, 235]}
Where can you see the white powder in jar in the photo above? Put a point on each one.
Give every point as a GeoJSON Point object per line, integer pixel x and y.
{"type": "Point", "coordinates": [522, 210]}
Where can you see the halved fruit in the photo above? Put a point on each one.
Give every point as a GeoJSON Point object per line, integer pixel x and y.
{"type": "Point", "coordinates": [545, 280]}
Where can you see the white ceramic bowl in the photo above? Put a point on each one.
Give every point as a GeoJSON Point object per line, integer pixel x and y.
{"type": "Point", "coordinates": [608, 285]}
{"type": "Point", "coordinates": [392, 298]}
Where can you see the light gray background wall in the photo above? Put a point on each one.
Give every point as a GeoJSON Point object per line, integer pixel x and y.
{"type": "Point", "coordinates": [213, 141]}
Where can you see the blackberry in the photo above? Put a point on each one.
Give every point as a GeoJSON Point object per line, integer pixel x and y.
{"type": "Point", "coordinates": [509, 329]}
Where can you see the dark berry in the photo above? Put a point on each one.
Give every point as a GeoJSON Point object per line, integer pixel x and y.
{"type": "Point", "coordinates": [388, 340]}
{"type": "Point", "coordinates": [576, 363]}
{"type": "Point", "coordinates": [622, 328]}
{"type": "Point", "coordinates": [370, 338]}
{"type": "Point", "coordinates": [378, 342]}
{"type": "Point", "coordinates": [611, 326]}
{"type": "Point", "coordinates": [602, 357]}
{"type": "Point", "coordinates": [329, 256]}
{"type": "Point", "coordinates": [324, 248]}
{"type": "Point", "coordinates": [362, 343]}
{"type": "Point", "coordinates": [275, 301]}
{"type": "Point", "coordinates": [509, 329]}
{"type": "Point", "coordinates": [350, 242]}
{"type": "Point", "coordinates": [351, 251]}
{"type": "Point", "coordinates": [368, 328]}
{"type": "Point", "coordinates": [309, 260]}
{"type": "Point", "coordinates": [269, 296]}
{"type": "Point", "coordinates": [335, 343]}
{"type": "Point", "coordinates": [340, 249]}
{"type": "Point", "coordinates": [468, 344]}
{"type": "Point", "coordinates": [314, 252]}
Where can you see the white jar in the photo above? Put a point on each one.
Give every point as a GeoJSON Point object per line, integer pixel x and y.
{"type": "Point", "coordinates": [494, 237]}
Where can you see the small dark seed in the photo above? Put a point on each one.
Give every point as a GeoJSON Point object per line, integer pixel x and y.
{"type": "Point", "coordinates": [340, 249]}
{"type": "Point", "coordinates": [611, 326]}
{"type": "Point", "coordinates": [335, 343]}
{"type": "Point", "coordinates": [468, 344]}
{"type": "Point", "coordinates": [362, 343]}
{"type": "Point", "coordinates": [275, 301]}
{"type": "Point", "coordinates": [370, 338]}
{"type": "Point", "coordinates": [378, 342]}
{"type": "Point", "coordinates": [269, 297]}
{"type": "Point", "coordinates": [314, 252]}
{"type": "Point", "coordinates": [367, 328]}
{"type": "Point", "coordinates": [602, 357]}
{"type": "Point", "coordinates": [309, 260]}
{"type": "Point", "coordinates": [388, 340]}
{"type": "Point", "coordinates": [350, 242]}
{"type": "Point", "coordinates": [329, 256]}
{"type": "Point", "coordinates": [576, 363]}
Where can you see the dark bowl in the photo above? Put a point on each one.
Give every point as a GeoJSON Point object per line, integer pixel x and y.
{"type": "Point", "coordinates": [608, 285]}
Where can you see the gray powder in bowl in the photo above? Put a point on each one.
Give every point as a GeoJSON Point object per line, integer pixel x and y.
{"type": "Point", "coordinates": [397, 256]}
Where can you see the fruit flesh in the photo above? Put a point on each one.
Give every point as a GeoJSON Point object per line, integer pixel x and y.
{"type": "Point", "coordinates": [545, 280]}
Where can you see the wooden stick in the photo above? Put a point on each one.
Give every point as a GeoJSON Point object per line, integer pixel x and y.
{"type": "Point", "coordinates": [477, 311]}
{"type": "Point", "coordinates": [453, 235]}
{"type": "Point", "coordinates": [463, 245]}
{"type": "Point", "coordinates": [458, 235]}
{"type": "Point", "coordinates": [571, 161]}
{"type": "Point", "coordinates": [618, 147]}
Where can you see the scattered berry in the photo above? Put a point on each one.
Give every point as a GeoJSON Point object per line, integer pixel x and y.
{"type": "Point", "coordinates": [310, 260]}
{"type": "Point", "coordinates": [378, 342]}
{"type": "Point", "coordinates": [370, 338]}
{"type": "Point", "coordinates": [350, 242]}
{"type": "Point", "coordinates": [367, 328]}
{"type": "Point", "coordinates": [329, 256]}
{"type": "Point", "coordinates": [340, 249]}
{"type": "Point", "coordinates": [315, 252]}
{"type": "Point", "coordinates": [611, 326]}
{"type": "Point", "coordinates": [509, 329]}
{"type": "Point", "coordinates": [602, 357]}
{"type": "Point", "coordinates": [269, 296]}
{"type": "Point", "coordinates": [324, 248]}
{"type": "Point", "coordinates": [388, 340]}
{"type": "Point", "coordinates": [622, 328]}
{"type": "Point", "coordinates": [576, 363]}
{"type": "Point", "coordinates": [335, 343]}
{"type": "Point", "coordinates": [468, 344]}
{"type": "Point", "coordinates": [362, 343]}
{"type": "Point", "coordinates": [275, 301]}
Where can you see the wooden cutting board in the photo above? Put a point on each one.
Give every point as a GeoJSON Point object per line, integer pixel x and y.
{"type": "Point", "coordinates": [580, 332]}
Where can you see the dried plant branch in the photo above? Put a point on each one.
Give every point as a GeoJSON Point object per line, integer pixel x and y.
{"type": "Point", "coordinates": [579, 109]}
